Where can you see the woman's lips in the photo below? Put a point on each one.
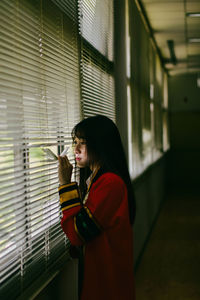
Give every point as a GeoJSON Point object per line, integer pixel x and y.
{"type": "Point", "coordinates": [78, 158]}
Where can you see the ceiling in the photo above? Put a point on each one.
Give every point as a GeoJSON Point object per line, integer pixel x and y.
{"type": "Point", "coordinates": [169, 20]}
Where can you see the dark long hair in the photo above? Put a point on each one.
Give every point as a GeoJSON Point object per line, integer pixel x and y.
{"type": "Point", "coordinates": [104, 147]}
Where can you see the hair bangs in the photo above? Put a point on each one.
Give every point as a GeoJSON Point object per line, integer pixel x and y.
{"type": "Point", "coordinates": [79, 132]}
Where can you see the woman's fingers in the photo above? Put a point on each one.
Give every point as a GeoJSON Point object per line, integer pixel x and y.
{"type": "Point", "coordinates": [64, 170]}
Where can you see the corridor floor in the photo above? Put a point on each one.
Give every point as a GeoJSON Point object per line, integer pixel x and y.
{"type": "Point", "coordinates": [170, 265]}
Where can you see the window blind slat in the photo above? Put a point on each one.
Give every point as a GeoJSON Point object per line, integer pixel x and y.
{"type": "Point", "coordinates": [12, 69]}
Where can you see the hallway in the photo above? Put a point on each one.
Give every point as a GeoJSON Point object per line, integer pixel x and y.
{"type": "Point", "coordinates": [170, 266]}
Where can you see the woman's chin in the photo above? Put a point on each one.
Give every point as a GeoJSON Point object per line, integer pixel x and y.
{"type": "Point", "coordinates": [80, 165]}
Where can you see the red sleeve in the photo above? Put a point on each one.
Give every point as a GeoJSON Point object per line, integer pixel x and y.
{"type": "Point", "coordinates": [70, 204]}
{"type": "Point", "coordinates": [104, 205]}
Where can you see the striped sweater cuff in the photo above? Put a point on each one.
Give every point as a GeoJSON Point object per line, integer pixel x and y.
{"type": "Point", "coordinates": [69, 196]}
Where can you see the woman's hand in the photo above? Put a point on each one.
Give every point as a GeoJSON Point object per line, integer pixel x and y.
{"type": "Point", "coordinates": [64, 170]}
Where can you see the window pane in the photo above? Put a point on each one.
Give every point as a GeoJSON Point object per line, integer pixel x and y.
{"type": "Point", "coordinates": [97, 82]}
{"type": "Point", "coordinates": [97, 25]}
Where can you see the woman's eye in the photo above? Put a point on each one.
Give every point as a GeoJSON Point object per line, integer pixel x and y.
{"type": "Point", "coordinates": [75, 143]}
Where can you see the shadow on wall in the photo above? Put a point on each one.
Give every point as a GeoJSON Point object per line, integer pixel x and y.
{"type": "Point", "coordinates": [185, 143]}
{"type": "Point", "coordinates": [184, 159]}
{"type": "Point", "coordinates": [150, 192]}
{"type": "Point", "coordinates": [63, 286]}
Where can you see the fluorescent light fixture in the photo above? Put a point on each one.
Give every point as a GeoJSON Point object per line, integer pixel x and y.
{"type": "Point", "coordinates": [193, 14]}
{"type": "Point", "coordinates": [198, 80]}
{"type": "Point", "coordinates": [194, 40]}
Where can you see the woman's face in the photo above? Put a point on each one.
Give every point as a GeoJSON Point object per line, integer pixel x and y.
{"type": "Point", "coordinates": [80, 151]}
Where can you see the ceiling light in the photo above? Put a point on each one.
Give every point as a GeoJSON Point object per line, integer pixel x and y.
{"type": "Point", "coordinates": [193, 14]}
{"type": "Point", "coordinates": [198, 80]}
{"type": "Point", "coordinates": [194, 40]}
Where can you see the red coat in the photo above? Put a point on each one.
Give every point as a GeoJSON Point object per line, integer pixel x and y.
{"type": "Point", "coordinates": [102, 226]}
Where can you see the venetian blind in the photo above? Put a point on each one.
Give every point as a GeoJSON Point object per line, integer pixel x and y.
{"type": "Point", "coordinates": [97, 82]}
{"type": "Point", "coordinates": [39, 105]}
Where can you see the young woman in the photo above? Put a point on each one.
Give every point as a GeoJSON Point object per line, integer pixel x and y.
{"type": "Point", "coordinates": [100, 216]}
